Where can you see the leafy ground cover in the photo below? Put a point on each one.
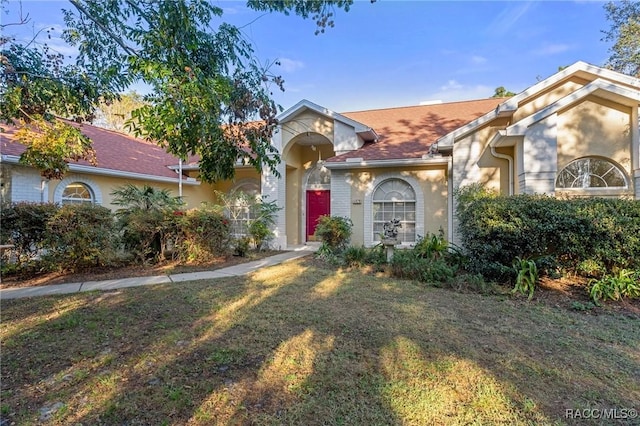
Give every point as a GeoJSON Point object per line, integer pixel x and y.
{"type": "Point", "coordinates": [304, 343]}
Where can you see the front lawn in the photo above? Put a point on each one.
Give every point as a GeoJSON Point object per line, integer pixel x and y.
{"type": "Point", "coordinates": [303, 344]}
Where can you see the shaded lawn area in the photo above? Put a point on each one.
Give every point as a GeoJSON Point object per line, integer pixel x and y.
{"type": "Point", "coordinates": [299, 343]}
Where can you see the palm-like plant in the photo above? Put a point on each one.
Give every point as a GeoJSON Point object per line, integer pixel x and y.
{"type": "Point", "coordinates": [142, 218]}
{"type": "Point", "coordinates": [145, 198]}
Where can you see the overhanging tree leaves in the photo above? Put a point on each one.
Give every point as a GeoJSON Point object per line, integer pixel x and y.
{"type": "Point", "coordinates": [625, 33]}
{"type": "Point", "coordinates": [35, 86]}
{"type": "Point", "coordinates": [210, 97]}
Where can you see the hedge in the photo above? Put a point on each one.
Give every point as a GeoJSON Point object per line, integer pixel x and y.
{"type": "Point", "coordinates": [586, 236]}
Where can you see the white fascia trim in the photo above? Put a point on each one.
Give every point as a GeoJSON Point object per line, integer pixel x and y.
{"type": "Point", "coordinates": [387, 163]}
{"type": "Point", "coordinates": [305, 104]}
{"type": "Point", "coordinates": [599, 85]}
{"type": "Point", "coordinates": [448, 140]}
{"type": "Point", "coordinates": [78, 168]}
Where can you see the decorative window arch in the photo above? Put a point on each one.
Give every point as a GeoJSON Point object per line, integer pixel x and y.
{"type": "Point", "coordinates": [77, 189]}
{"type": "Point", "coordinates": [77, 193]}
{"type": "Point", "coordinates": [591, 173]}
{"type": "Point", "coordinates": [394, 198]}
{"type": "Point", "coordinates": [319, 177]}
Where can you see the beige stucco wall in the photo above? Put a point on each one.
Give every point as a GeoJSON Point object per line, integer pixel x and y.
{"type": "Point", "coordinates": [595, 127]}
{"type": "Point", "coordinates": [549, 96]}
{"type": "Point", "coordinates": [300, 125]}
{"type": "Point", "coordinates": [474, 163]}
{"type": "Point", "coordinates": [432, 183]}
{"type": "Point", "coordinates": [193, 195]}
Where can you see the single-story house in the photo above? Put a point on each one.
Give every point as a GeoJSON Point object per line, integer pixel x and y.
{"type": "Point", "coordinates": [575, 133]}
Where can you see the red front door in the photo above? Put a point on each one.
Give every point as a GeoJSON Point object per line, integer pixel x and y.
{"type": "Point", "coordinates": [318, 204]}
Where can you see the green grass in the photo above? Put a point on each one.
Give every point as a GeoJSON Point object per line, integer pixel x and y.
{"type": "Point", "coordinates": [303, 344]}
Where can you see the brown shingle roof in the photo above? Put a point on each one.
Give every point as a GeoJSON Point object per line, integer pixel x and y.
{"type": "Point", "coordinates": [114, 151]}
{"type": "Point", "coordinates": [408, 132]}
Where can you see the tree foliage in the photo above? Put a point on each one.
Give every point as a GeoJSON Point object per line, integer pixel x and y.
{"type": "Point", "coordinates": [501, 92]}
{"type": "Point", "coordinates": [625, 33]}
{"type": "Point", "coordinates": [114, 114]}
{"type": "Point", "coordinates": [35, 86]}
{"type": "Point", "coordinates": [210, 96]}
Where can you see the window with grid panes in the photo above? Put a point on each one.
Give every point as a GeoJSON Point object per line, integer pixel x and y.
{"type": "Point", "coordinates": [77, 192]}
{"type": "Point", "coordinates": [243, 211]}
{"type": "Point", "coordinates": [588, 173]}
{"type": "Point", "coordinates": [395, 199]}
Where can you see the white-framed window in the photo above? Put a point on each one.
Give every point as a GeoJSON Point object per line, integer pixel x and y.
{"type": "Point", "coordinates": [242, 212]}
{"type": "Point", "coordinates": [591, 173]}
{"type": "Point", "coordinates": [394, 199]}
{"type": "Point", "coordinates": [75, 189]}
{"type": "Point", "coordinates": [76, 193]}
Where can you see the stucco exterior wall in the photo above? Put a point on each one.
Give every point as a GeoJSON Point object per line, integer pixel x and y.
{"type": "Point", "coordinates": [548, 97]}
{"type": "Point", "coordinates": [303, 123]}
{"type": "Point", "coordinates": [431, 194]}
{"type": "Point", "coordinates": [473, 162]}
{"type": "Point", "coordinates": [105, 185]}
{"type": "Point", "coordinates": [597, 127]}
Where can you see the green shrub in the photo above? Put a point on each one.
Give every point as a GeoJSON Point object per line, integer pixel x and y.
{"type": "Point", "coordinates": [334, 231]}
{"type": "Point", "coordinates": [148, 220]}
{"type": "Point", "coordinates": [563, 235]}
{"type": "Point", "coordinates": [205, 234]}
{"type": "Point", "coordinates": [355, 256]}
{"type": "Point", "coordinates": [24, 225]}
{"type": "Point", "coordinates": [260, 233]}
{"type": "Point", "coordinates": [408, 265]}
{"type": "Point", "coordinates": [80, 236]}
{"type": "Point", "coordinates": [623, 284]}
{"type": "Point", "coordinates": [432, 246]}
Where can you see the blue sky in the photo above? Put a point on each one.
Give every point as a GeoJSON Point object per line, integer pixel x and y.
{"type": "Point", "coordinates": [399, 53]}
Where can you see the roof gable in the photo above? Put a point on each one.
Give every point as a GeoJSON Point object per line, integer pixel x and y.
{"type": "Point", "coordinates": [305, 105]}
{"type": "Point", "coordinates": [510, 106]}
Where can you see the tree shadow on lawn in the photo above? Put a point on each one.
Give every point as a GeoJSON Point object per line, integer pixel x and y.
{"type": "Point", "coordinates": [299, 344]}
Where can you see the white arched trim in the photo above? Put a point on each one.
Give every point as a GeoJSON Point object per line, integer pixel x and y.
{"type": "Point", "coordinates": [252, 184]}
{"type": "Point", "coordinates": [93, 187]}
{"type": "Point", "coordinates": [368, 204]}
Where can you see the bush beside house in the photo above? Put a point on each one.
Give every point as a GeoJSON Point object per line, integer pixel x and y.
{"type": "Point", "coordinates": [151, 226]}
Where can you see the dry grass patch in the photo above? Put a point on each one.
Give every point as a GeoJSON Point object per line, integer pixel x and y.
{"type": "Point", "coordinates": [300, 343]}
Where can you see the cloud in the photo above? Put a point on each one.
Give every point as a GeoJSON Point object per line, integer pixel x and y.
{"type": "Point", "coordinates": [451, 85]}
{"type": "Point", "coordinates": [454, 91]}
{"type": "Point", "coordinates": [506, 19]}
{"type": "Point", "coordinates": [478, 60]}
{"type": "Point", "coordinates": [551, 49]}
{"type": "Point", "coordinates": [290, 65]}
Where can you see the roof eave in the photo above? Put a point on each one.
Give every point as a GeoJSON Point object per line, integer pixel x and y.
{"type": "Point", "coordinates": [359, 163]}
{"type": "Point", "coordinates": [79, 168]}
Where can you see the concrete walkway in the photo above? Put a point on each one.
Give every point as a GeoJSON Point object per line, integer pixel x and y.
{"type": "Point", "coordinates": [232, 271]}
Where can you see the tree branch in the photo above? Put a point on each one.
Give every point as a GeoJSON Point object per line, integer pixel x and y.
{"type": "Point", "coordinates": [107, 31]}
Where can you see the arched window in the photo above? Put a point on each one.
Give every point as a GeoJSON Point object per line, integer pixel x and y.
{"type": "Point", "coordinates": [591, 172]}
{"type": "Point", "coordinates": [395, 199]}
{"type": "Point", "coordinates": [319, 178]}
{"type": "Point", "coordinates": [243, 208]}
{"type": "Point", "coordinates": [77, 192]}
